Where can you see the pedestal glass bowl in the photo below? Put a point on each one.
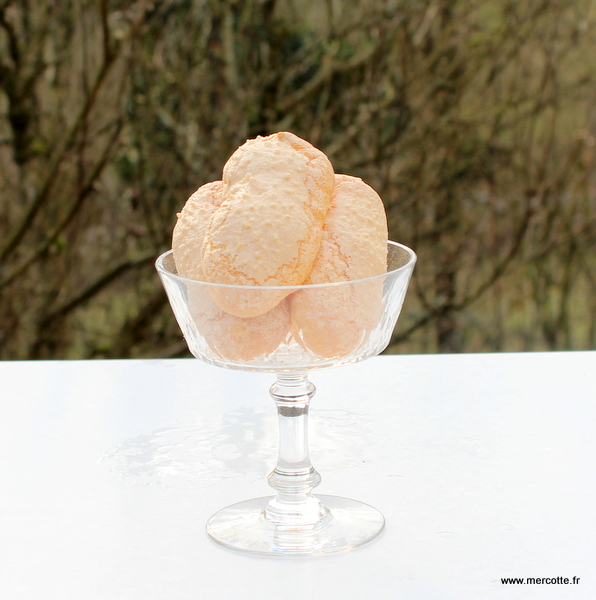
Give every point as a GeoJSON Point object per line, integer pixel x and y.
{"type": "Point", "coordinates": [312, 327]}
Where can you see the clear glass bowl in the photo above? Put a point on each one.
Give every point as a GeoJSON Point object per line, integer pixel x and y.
{"type": "Point", "coordinates": [310, 327]}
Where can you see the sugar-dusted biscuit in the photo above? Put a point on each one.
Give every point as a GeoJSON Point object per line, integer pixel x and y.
{"type": "Point", "coordinates": [191, 225]}
{"type": "Point", "coordinates": [267, 230]}
{"type": "Point", "coordinates": [229, 337]}
{"type": "Point", "coordinates": [334, 320]}
{"type": "Point", "coordinates": [237, 338]}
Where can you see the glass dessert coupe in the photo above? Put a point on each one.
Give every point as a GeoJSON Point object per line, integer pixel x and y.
{"type": "Point", "coordinates": [342, 323]}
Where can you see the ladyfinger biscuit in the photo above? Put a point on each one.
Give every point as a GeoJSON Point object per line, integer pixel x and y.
{"type": "Point", "coordinates": [267, 230]}
{"type": "Point", "coordinates": [237, 338]}
{"type": "Point", "coordinates": [230, 337]}
{"type": "Point", "coordinates": [335, 320]}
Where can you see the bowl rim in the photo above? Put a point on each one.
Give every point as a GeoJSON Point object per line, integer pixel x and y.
{"type": "Point", "coordinates": [164, 271]}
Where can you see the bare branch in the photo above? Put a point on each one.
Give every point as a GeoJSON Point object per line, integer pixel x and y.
{"type": "Point", "coordinates": [85, 189]}
{"type": "Point", "coordinates": [65, 144]}
{"type": "Point", "coordinates": [93, 289]}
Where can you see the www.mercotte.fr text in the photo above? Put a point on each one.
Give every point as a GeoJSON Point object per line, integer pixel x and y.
{"type": "Point", "coordinates": [539, 580]}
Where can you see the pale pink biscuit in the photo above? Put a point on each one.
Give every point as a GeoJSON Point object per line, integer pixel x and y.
{"type": "Point", "coordinates": [267, 230]}
{"type": "Point", "coordinates": [333, 321]}
{"type": "Point", "coordinates": [230, 337]}
{"type": "Point", "coordinates": [189, 231]}
{"type": "Point", "coordinates": [237, 338]}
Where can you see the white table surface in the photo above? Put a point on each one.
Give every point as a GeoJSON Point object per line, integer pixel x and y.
{"type": "Point", "coordinates": [483, 465]}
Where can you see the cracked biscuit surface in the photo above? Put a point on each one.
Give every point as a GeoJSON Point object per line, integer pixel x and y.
{"type": "Point", "coordinates": [231, 337]}
{"type": "Point", "coordinates": [334, 320]}
{"type": "Point", "coordinates": [267, 230]}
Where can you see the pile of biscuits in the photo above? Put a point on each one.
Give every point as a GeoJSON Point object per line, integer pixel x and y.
{"type": "Point", "coordinates": [281, 217]}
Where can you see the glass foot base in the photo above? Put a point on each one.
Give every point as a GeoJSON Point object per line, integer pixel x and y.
{"type": "Point", "coordinates": [243, 527]}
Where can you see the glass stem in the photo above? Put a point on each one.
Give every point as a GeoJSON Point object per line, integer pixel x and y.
{"type": "Point", "coordinates": [294, 477]}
